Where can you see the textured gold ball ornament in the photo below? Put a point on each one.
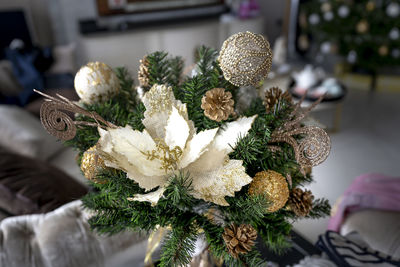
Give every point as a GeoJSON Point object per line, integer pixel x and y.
{"type": "Point", "coordinates": [96, 82]}
{"type": "Point", "coordinates": [273, 185]}
{"type": "Point", "coordinates": [91, 163]}
{"type": "Point", "coordinates": [245, 58]}
{"type": "Point", "coordinates": [362, 26]}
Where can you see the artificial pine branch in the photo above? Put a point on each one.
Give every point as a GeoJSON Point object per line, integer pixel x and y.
{"type": "Point", "coordinates": [178, 191]}
{"type": "Point", "coordinates": [320, 208]}
{"type": "Point", "coordinates": [176, 68]}
{"type": "Point", "coordinates": [158, 67]}
{"type": "Point", "coordinates": [178, 246]}
{"type": "Point", "coordinates": [164, 70]}
{"type": "Point", "coordinates": [245, 209]}
{"type": "Point", "coordinates": [127, 89]}
{"type": "Point", "coordinates": [275, 230]}
{"type": "Point", "coordinates": [205, 58]}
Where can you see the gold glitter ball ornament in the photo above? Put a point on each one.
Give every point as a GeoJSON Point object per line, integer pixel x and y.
{"type": "Point", "coordinates": [245, 58]}
{"type": "Point", "coordinates": [96, 82]}
{"type": "Point", "coordinates": [91, 163]}
{"type": "Point", "coordinates": [217, 104]}
{"type": "Point", "coordinates": [239, 239]}
{"type": "Point", "coordinates": [273, 186]}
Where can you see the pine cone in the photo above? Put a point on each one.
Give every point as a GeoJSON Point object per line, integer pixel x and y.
{"type": "Point", "coordinates": [143, 74]}
{"type": "Point", "coordinates": [275, 95]}
{"type": "Point", "coordinates": [239, 240]}
{"type": "Point", "coordinates": [300, 202]}
{"type": "Point", "coordinates": [217, 104]}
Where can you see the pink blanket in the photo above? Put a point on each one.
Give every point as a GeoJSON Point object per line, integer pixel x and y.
{"type": "Point", "coordinates": [368, 191]}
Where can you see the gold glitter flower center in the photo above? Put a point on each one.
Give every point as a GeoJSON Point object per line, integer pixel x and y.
{"type": "Point", "coordinates": [168, 157]}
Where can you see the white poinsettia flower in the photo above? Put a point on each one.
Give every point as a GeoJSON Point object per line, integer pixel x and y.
{"type": "Point", "coordinates": [170, 144]}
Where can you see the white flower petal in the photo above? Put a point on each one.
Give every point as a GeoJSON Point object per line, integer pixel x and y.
{"type": "Point", "coordinates": [177, 130]}
{"type": "Point", "coordinates": [155, 125]}
{"type": "Point", "coordinates": [147, 182]}
{"type": "Point", "coordinates": [197, 146]}
{"type": "Point", "coordinates": [226, 138]}
{"type": "Point", "coordinates": [152, 197]}
{"type": "Point", "coordinates": [118, 161]}
{"type": "Point", "coordinates": [134, 145]}
{"type": "Point", "coordinates": [159, 101]}
{"type": "Point", "coordinates": [217, 152]}
{"type": "Point", "coordinates": [214, 185]}
{"type": "Point", "coordinates": [122, 149]}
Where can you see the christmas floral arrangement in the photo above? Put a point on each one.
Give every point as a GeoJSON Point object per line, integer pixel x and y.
{"type": "Point", "coordinates": [200, 155]}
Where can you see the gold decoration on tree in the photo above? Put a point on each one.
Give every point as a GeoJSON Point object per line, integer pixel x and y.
{"type": "Point", "coordinates": [383, 50]}
{"type": "Point", "coordinates": [370, 5]}
{"type": "Point", "coordinates": [303, 42]}
{"type": "Point", "coordinates": [59, 124]}
{"type": "Point", "coordinates": [96, 82]}
{"type": "Point", "coordinates": [143, 74]}
{"type": "Point", "coordinates": [91, 164]}
{"type": "Point", "coordinates": [314, 147]}
{"type": "Point", "coordinates": [239, 239]}
{"type": "Point", "coordinates": [300, 202]}
{"type": "Point", "coordinates": [326, 7]}
{"type": "Point", "coordinates": [362, 26]}
{"type": "Point", "coordinates": [275, 96]}
{"type": "Point", "coordinates": [273, 186]}
{"type": "Point", "coordinates": [217, 104]}
{"type": "Point", "coordinates": [245, 58]}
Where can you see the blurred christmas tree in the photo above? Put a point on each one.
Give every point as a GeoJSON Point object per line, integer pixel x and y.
{"type": "Point", "coordinates": [365, 32]}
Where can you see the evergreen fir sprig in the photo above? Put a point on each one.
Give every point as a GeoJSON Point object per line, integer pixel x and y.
{"type": "Point", "coordinates": [164, 70]}
{"type": "Point", "coordinates": [245, 209]}
{"type": "Point", "coordinates": [205, 58]}
{"type": "Point", "coordinates": [178, 191]}
{"type": "Point", "coordinates": [320, 208]}
{"type": "Point", "coordinates": [158, 67]}
{"type": "Point", "coordinates": [126, 86]}
{"type": "Point", "coordinates": [274, 231]}
{"type": "Point", "coordinates": [179, 245]}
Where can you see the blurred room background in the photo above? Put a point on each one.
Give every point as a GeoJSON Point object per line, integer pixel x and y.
{"type": "Point", "coordinates": [348, 50]}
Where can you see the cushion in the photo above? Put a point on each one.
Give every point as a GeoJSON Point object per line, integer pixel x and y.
{"type": "Point", "coordinates": [63, 238]}
{"type": "Point", "coordinates": [22, 133]}
{"type": "Point", "coordinates": [9, 85]}
{"type": "Point", "coordinates": [379, 228]}
{"type": "Point", "coordinates": [30, 186]}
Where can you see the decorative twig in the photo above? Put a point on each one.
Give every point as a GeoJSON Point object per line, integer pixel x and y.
{"type": "Point", "coordinates": [59, 124]}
